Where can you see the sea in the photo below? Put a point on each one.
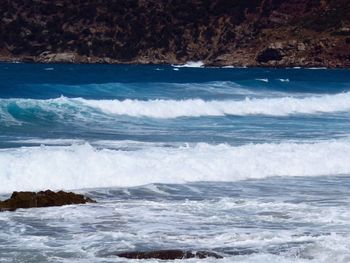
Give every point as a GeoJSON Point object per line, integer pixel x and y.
{"type": "Point", "coordinates": [250, 163]}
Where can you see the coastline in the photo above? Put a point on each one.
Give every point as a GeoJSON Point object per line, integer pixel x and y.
{"type": "Point", "coordinates": [212, 131]}
{"type": "Point", "coordinates": [76, 59]}
{"type": "Point", "coordinates": [218, 33]}
{"type": "Point", "coordinates": [251, 164]}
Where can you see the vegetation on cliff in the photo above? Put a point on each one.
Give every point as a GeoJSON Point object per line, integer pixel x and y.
{"type": "Point", "coordinates": [217, 32]}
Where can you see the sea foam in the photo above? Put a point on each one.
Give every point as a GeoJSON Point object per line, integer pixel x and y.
{"type": "Point", "coordinates": [65, 107]}
{"type": "Point", "coordinates": [84, 166]}
{"type": "Point", "coordinates": [197, 107]}
{"type": "Point", "coordinates": [190, 64]}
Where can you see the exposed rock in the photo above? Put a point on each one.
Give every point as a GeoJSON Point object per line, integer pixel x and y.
{"type": "Point", "coordinates": [344, 31]}
{"type": "Point", "coordinates": [42, 199]}
{"type": "Point", "coordinates": [269, 54]}
{"type": "Point", "coordinates": [168, 254]}
{"type": "Point", "coordinates": [217, 32]}
{"type": "Point", "coordinates": [57, 57]}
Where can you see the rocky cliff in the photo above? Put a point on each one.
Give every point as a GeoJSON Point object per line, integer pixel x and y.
{"type": "Point", "coordinates": [307, 33]}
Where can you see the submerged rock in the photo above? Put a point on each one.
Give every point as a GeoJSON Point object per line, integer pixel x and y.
{"type": "Point", "coordinates": [42, 199]}
{"type": "Point", "coordinates": [168, 254]}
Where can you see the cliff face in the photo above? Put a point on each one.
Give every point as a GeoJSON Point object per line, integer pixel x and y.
{"type": "Point", "coordinates": [217, 32]}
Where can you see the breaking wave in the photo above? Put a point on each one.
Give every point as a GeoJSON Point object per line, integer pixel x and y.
{"type": "Point", "coordinates": [190, 64]}
{"type": "Point", "coordinates": [84, 166]}
{"type": "Point", "coordinates": [198, 107]}
{"type": "Point", "coordinates": [63, 107]}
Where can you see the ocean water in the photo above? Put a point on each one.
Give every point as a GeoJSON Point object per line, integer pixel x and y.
{"type": "Point", "coordinates": [253, 164]}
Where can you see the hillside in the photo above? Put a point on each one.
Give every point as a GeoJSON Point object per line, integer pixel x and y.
{"type": "Point", "coordinates": [309, 33]}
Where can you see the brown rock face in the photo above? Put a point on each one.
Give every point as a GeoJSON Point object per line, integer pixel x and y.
{"type": "Point", "coordinates": [168, 255]}
{"type": "Point", "coordinates": [41, 199]}
{"type": "Point", "coordinates": [217, 32]}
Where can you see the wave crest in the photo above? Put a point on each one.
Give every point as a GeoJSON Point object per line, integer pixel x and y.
{"type": "Point", "coordinates": [197, 107]}
{"type": "Point", "coordinates": [84, 166]}
{"type": "Point", "coordinates": [78, 107]}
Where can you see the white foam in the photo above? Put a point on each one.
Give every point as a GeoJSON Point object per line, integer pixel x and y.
{"type": "Point", "coordinates": [80, 109]}
{"type": "Point", "coordinates": [263, 80]}
{"type": "Point", "coordinates": [197, 107]}
{"type": "Point", "coordinates": [191, 64]}
{"type": "Point", "coordinates": [83, 166]}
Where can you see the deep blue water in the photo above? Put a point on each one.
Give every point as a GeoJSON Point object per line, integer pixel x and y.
{"type": "Point", "coordinates": [31, 85]}
{"type": "Point", "coordinates": [25, 80]}
{"type": "Point", "coordinates": [251, 163]}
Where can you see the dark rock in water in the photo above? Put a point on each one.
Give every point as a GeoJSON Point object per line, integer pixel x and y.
{"type": "Point", "coordinates": [168, 254]}
{"type": "Point", "coordinates": [42, 199]}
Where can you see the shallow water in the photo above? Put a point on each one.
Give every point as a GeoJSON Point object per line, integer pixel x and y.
{"type": "Point", "coordinates": [290, 219]}
{"type": "Point", "coordinates": [253, 164]}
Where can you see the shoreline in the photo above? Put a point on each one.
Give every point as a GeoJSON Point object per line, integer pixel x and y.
{"type": "Point", "coordinates": [175, 65]}
{"type": "Point", "coordinates": [246, 34]}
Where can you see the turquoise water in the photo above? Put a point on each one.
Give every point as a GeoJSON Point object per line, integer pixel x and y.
{"type": "Point", "coordinates": [250, 163]}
